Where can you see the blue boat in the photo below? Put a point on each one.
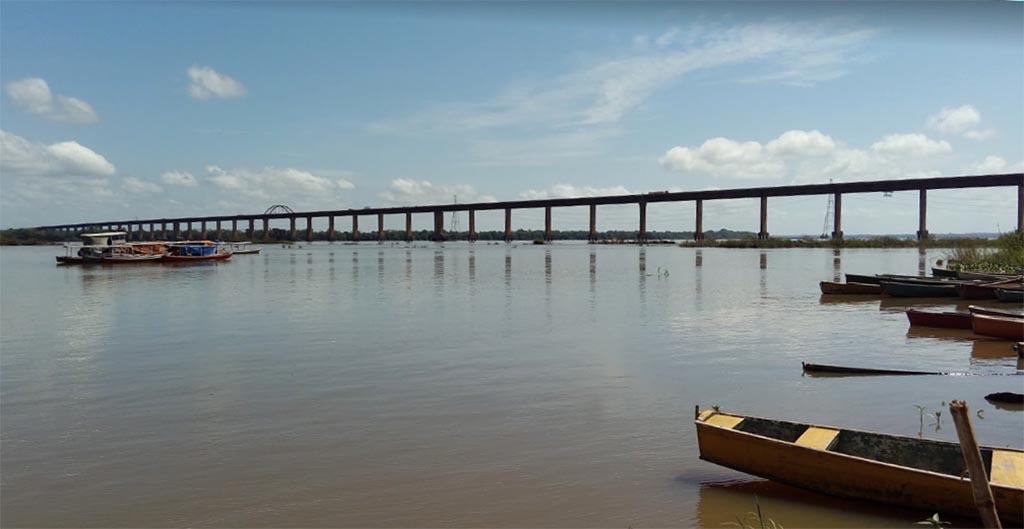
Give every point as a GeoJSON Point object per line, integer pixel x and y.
{"type": "Point", "coordinates": [196, 251]}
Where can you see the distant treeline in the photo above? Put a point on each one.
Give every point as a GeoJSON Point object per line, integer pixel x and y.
{"type": "Point", "coordinates": [28, 236]}
{"type": "Point", "coordinates": [859, 242]}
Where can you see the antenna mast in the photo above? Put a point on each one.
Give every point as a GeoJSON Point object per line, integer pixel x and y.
{"type": "Point", "coordinates": [826, 229]}
{"type": "Point", "coordinates": [455, 228]}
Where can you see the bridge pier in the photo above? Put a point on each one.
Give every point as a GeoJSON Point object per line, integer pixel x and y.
{"type": "Point", "coordinates": [152, 232]}
{"type": "Point", "coordinates": [763, 233]}
{"type": "Point", "coordinates": [922, 215]}
{"type": "Point", "coordinates": [1020, 208]}
{"type": "Point", "coordinates": [380, 227]}
{"type": "Point", "coordinates": [177, 231]}
{"type": "Point", "coordinates": [266, 228]}
{"type": "Point", "coordinates": [508, 224]}
{"type": "Point", "coordinates": [438, 226]}
{"type": "Point", "coordinates": [188, 234]}
{"type": "Point", "coordinates": [163, 231]}
{"type": "Point", "coordinates": [698, 230]}
{"type": "Point", "coordinates": [330, 228]}
{"type": "Point", "coordinates": [592, 236]}
{"type": "Point", "coordinates": [472, 225]}
{"type": "Point", "coordinates": [220, 230]}
{"type": "Point", "coordinates": [408, 226]}
{"type": "Point", "coordinates": [547, 224]}
{"type": "Point", "coordinates": [291, 230]}
{"type": "Point", "coordinates": [129, 236]}
{"type": "Point", "coordinates": [837, 222]}
{"type": "Point", "coordinates": [355, 227]}
{"type": "Point", "coordinates": [202, 230]}
{"type": "Point", "coordinates": [642, 236]}
{"type": "Point", "coordinates": [309, 229]}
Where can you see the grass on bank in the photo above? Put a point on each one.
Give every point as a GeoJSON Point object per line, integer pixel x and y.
{"type": "Point", "coordinates": [1004, 255]}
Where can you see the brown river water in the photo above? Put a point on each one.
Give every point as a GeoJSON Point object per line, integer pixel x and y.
{"type": "Point", "coordinates": [451, 386]}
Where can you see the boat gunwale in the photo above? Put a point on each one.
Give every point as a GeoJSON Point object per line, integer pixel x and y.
{"type": "Point", "coordinates": [700, 422]}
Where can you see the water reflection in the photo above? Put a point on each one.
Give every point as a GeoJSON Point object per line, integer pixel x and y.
{"type": "Point", "coordinates": [698, 258]}
{"type": "Point", "coordinates": [922, 261]}
{"type": "Point", "coordinates": [837, 265]}
{"type": "Point", "coordinates": [439, 268]}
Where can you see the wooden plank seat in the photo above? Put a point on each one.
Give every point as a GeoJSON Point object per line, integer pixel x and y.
{"type": "Point", "coordinates": [816, 437]}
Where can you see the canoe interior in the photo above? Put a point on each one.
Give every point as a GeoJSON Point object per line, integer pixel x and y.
{"type": "Point", "coordinates": [922, 454]}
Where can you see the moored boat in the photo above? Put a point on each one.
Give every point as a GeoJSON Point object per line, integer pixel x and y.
{"type": "Point", "coordinates": [943, 272]}
{"type": "Point", "coordinates": [945, 320]}
{"type": "Point", "coordinates": [859, 289]}
{"type": "Point", "coordinates": [998, 327]}
{"type": "Point", "coordinates": [902, 289]}
{"type": "Point", "coordinates": [242, 248]}
{"type": "Point", "coordinates": [196, 251]}
{"type": "Point", "coordinates": [111, 248]}
{"type": "Point", "coordinates": [1010, 295]}
{"type": "Point", "coordinates": [915, 473]}
{"type": "Point", "coordinates": [975, 309]}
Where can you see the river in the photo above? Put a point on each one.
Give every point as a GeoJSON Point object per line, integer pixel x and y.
{"type": "Point", "coordinates": [341, 385]}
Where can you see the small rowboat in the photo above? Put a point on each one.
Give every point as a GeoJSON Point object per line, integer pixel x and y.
{"type": "Point", "coordinates": [904, 471]}
{"type": "Point", "coordinates": [902, 289]}
{"type": "Point", "coordinates": [859, 289]}
{"type": "Point", "coordinates": [1010, 295]}
{"type": "Point", "coordinates": [945, 320]}
{"type": "Point", "coordinates": [974, 309]}
{"type": "Point", "coordinates": [877, 279]}
{"type": "Point", "coordinates": [999, 327]}
{"type": "Point", "coordinates": [943, 272]}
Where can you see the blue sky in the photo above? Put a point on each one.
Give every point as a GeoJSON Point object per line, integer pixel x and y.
{"type": "Point", "coordinates": [121, 110]}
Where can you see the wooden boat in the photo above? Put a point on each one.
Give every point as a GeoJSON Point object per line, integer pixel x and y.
{"type": "Point", "coordinates": [877, 279]}
{"type": "Point", "coordinates": [1006, 397]}
{"type": "Point", "coordinates": [902, 289]}
{"type": "Point", "coordinates": [975, 309]}
{"type": "Point", "coordinates": [827, 369]}
{"type": "Point", "coordinates": [1010, 295]}
{"type": "Point", "coordinates": [943, 272]}
{"type": "Point", "coordinates": [945, 320]}
{"type": "Point", "coordinates": [999, 327]}
{"type": "Point", "coordinates": [859, 289]}
{"type": "Point", "coordinates": [196, 252]}
{"type": "Point", "coordinates": [858, 278]}
{"type": "Point", "coordinates": [981, 276]}
{"type": "Point", "coordinates": [904, 471]}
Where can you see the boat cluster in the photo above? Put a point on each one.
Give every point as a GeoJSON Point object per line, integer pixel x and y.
{"type": "Point", "coordinates": [114, 248]}
{"type": "Point", "coordinates": [1005, 324]}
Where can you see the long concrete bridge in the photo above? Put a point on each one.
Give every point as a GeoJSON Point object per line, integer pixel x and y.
{"type": "Point", "coordinates": [248, 222]}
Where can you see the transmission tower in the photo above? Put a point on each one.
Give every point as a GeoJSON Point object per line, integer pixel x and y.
{"type": "Point", "coordinates": [455, 228]}
{"type": "Point", "coordinates": [826, 229]}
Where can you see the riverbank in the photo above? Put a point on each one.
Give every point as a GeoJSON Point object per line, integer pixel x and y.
{"type": "Point", "coordinates": [872, 242]}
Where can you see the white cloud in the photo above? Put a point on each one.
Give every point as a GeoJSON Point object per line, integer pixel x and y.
{"type": "Point", "coordinates": [571, 191]}
{"type": "Point", "coordinates": [604, 92]}
{"type": "Point", "coordinates": [995, 165]}
{"type": "Point", "coordinates": [723, 157]}
{"type": "Point", "coordinates": [23, 158]}
{"type": "Point", "coordinates": [979, 134]}
{"type": "Point", "coordinates": [137, 185]}
{"type": "Point", "coordinates": [406, 191]}
{"type": "Point", "coordinates": [179, 178]}
{"type": "Point", "coordinates": [206, 83]}
{"type": "Point", "coordinates": [33, 94]}
{"type": "Point", "coordinates": [955, 120]}
{"type": "Point", "coordinates": [802, 143]}
{"type": "Point", "coordinates": [296, 187]}
{"type": "Point", "coordinates": [810, 156]}
{"type": "Point", "coordinates": [910, 145]}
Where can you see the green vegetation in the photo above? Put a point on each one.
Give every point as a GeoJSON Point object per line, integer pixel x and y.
{"type": "Point", "coordinates": [1005, 255]}
{"type": "Point", "coordinates": [756, 519]}
{"type": "Point", "coordinates": [30, 237]}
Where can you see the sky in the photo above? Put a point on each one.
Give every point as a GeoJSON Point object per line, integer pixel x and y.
{"type": "Point", "coordinates": [140, 110]}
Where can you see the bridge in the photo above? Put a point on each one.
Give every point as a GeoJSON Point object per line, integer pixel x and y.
{"type": "Point", "coordinates": [922, 185]}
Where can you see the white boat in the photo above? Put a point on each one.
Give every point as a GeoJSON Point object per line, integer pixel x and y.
{"type": "Point", "coordinates": [244, 247]}
{"type": "Point", "coordinates": [111, 248]}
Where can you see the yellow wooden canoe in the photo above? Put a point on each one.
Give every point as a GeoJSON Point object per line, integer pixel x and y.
{"type": "Point", "coordinates": [904, 471]}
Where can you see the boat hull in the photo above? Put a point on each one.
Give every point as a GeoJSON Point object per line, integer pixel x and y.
{"type": "Point", "coordinates": [1010, 296]}
{"type": "Point", "coordinates": [974, 309]}
{"type": "Point", "coordinates": [842, 475]}
{"type": "Point", "coordinates": [196, 259]}
{"type": "Point", "coordinates": [858, 289]}
{"type": "Point", "coordinates": [998, 327]}
{"type": "Point", "coordinates": [918, 290]}
{"type": "Point", "coordinates": [944, 320]}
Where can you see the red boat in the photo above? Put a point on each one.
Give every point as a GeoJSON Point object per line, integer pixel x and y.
{"type": "Point", "coordinates": [974, 309]}
{"type": "Point", "coordinates": [945, 320]}
{"type": "Point", "coordinates": [860, 289]}
{"type": "Point", "coordinates": [984, 290]}
{"type": "Point", "coordinates": [999, 327]}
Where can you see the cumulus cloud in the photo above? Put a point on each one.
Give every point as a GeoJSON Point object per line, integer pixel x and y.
{"type": "Point", "coordinates": [22, 158]}
{"type": "Point", "coordinates": [571, 191]}
{"type": "Point", "coordinates": [278, 184]}
{"type": "Point", "coordinates": [137, 185]}
{"type": "Point", "coordinates": [33, 94]}
{"type": "Point", "coordinates": [963, 120]}
{"type": "Point", "coordinates": [406, 191]}
{"type": "Point", "coordinates": [179, 178]}
{"type": "Point", "coordinates": [809, 156]}
{"type": "Point", "coordinates": [910, 145]}
{"type": "Point", "coordinates": [206, 83]}
{"type": "Point", "coordinates": [995, 164]}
